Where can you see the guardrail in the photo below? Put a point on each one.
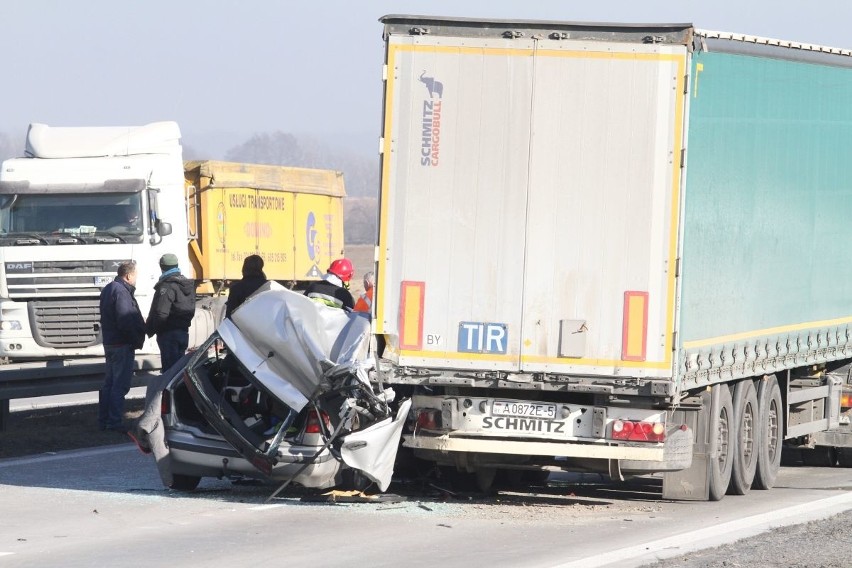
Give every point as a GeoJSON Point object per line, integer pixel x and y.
{"type": "Point", "coordinates": [65, 376]}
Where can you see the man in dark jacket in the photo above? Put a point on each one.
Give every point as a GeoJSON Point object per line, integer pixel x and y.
{"type": "Point", "coordinates": [171, 311]}
{"type": "Point", "coordinates": [253, 278]}
{"type": "Point", "coordinates": [123, 331]}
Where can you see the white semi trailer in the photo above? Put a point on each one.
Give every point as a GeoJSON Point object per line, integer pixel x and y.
{"type": "Point", "coordinates": [616, 248]}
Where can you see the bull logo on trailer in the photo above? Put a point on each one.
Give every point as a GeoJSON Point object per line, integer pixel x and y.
{"type": "Point", "coordinates": [435, 87]}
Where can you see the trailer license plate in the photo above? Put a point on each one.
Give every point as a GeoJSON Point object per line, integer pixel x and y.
{"type": "Point", "coordinates": [101, 281]}
{"type": "Point", "coordinates": [528, 409]}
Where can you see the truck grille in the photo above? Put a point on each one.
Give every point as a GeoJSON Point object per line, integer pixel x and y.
{"type": "Point", "coordinates": [68, 323]}
{"type": "Point", "coordinates": [58, 278]}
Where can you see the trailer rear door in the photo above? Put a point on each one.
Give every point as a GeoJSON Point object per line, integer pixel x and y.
{"type": "Point", "coordinates": [602, 214]}
{"type": "Point", "coordinates": [454, 196]}
{"type": "Point", "coordinates": [529, 202]}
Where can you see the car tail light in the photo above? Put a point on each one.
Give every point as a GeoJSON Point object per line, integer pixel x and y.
{"type": "Point", "coordinates": [166, 403]}
{"type": "Point", "coordinates": [428, 419]}
{"type": "Point", "coordinates": [846, 400]}
{"type": "Point", "coordinates": [312, 426]}
{"type": "Point", "coordinates": [637, 431]}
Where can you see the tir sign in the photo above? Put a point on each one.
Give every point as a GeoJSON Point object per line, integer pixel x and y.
{"type": "Point", "coordinates": [479, 337]}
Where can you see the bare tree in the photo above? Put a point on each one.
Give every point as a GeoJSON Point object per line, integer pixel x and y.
{"type": "Point", "coordinates": [359, 219]}
{"type": "Point", "coordinates": [8, 148]}
{"type": "Point", "coordinates": [360, 174]}
{"type": "Point", "coordinates": [277, 148]}
{"type": "Point", "coordinates": [282, 149]}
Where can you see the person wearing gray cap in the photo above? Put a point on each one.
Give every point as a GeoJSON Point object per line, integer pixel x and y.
{"type": "Point", "coordinates": [171, 311]}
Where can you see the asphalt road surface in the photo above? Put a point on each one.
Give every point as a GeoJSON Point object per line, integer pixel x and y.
{"type": "Point", "coordinates": [106, 506]}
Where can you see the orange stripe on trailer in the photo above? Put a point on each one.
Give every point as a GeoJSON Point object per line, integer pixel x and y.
{"type": "Point", "coordinates": [634, 334]}
{"type": "Point", "coordinates": [411, 297]}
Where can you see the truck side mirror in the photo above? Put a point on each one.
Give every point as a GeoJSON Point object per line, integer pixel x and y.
{"type": "Point", "coordinates": [163, 228]}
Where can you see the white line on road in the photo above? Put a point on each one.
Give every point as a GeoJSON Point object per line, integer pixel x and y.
{"type": "Point", "coordinates": [63, 400]}
{"type": "Point", "coordinates": [264, 507]}
{"type": "Point", "coordinates": [708, 537]}
{"type": "Point", "coordinates": [70, 454]}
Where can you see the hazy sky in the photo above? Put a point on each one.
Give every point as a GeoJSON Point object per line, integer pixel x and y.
{"type": "Point", "coordinates": [226, 69]}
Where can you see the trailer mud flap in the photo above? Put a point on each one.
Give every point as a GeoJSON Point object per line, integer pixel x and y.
{"type": "Point", "coordinates": [692, 483]}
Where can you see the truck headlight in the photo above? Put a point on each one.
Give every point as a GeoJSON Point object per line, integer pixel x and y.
{"type": "Point", "coordinates": [10, 325]}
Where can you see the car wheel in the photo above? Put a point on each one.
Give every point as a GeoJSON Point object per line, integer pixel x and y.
{"type": "Point", "coordinates": [184, 482]}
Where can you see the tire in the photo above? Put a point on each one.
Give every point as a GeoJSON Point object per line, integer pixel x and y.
{"type": "Point", "coordinates": [770, 412]}
{"type": "Point", "coordinates": [791, 456]}
{"type": "Point", "coordinates": [521, 479]}
{"type": "Point", "coordinates": [722, 464]}
{"type": "Point", "coordinates": [536, 476]}
{"type": "Point", "coordinates": [844, 457]}
{"type": "Point", "coordinates": [747, 438]}
{"type": "Point", "coordinates": [184, 482]}
{"type": "Point", "coordinates": [820, 456]}
{"type": "Point", "coordinates": [353, 480]}
{"type": "Point", "coordinates": [467, 482]}
{"type": "Point", "coordinates": [485, 478]}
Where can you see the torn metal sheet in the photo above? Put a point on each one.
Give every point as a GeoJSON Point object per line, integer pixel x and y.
{"type": "Point", "coordinates": [289, 341]}
{"type": "Point", "coordinates": [373, 450]}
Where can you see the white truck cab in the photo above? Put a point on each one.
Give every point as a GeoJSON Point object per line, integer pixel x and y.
{"type": "Point", "coordinates": [80, 202]}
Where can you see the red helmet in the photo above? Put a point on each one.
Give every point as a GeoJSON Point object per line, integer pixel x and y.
{"type": "Point", "coordinates": [342, 268]}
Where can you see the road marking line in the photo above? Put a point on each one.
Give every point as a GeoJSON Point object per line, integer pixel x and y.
{"type": "Point", "coordinates": [67, 454]}
{"type": "Point", "coordinates": [6, 553]}
{"type": "Point", "coordinates": [265, 507]}
{"type": "Point", "coordinates": [710, 537]}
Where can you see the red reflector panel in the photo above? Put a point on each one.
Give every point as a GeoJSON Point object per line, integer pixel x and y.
{"type": "Point", "coordinates": [166, 403]}
{"type": "Point", "coordinates": [636, 431]}
{"type": "Point", "coordinates": [428, 419]}
{"type": "Point", "coordinates": [411, 299]}
{"type": "Point", "coordinates": [634, 332]}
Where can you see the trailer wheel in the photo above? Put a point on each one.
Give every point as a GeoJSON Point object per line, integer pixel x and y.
{"type": "Point", "coordinates": [770, 434]}
{"type": "Point", "coordinates": [721, 466]}
{"type": "Point", "coordinates": [746, 433]}
{"type": "Point", "coordinates": [485, 478]}
{"type": "Point", "coordinates": [820, 456]}
{"type": "Point", "coordinates": [844, 457]}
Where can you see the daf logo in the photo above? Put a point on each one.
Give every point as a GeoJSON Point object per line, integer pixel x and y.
{"type": "Point", "coordinates": [19, 266]}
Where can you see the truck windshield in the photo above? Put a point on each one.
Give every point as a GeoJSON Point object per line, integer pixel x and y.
{"type": "Point", "coordinates": [116, 215]}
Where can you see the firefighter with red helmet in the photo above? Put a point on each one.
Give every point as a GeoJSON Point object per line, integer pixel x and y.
{"type": "Point", "coordinates": [332, 289]}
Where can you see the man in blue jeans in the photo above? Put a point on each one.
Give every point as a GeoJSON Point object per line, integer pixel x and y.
{"type": "Point", "coordinates": [171, 311]}
{"type": "Point", "coordinates": [122, 331]}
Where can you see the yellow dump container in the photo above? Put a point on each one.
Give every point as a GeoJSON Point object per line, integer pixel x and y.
{"type": "Point", "coordinates": [292, 217]}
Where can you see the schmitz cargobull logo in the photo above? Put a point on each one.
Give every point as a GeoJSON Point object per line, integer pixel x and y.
{"type": "Point", "coordinates": [430, 148]}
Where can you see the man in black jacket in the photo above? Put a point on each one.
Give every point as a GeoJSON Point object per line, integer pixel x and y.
{"type": "Point", "coordinates": [122, 331]}
{"type": "Point", "coordinates": [171, 311]}
{"type": "Point", "coordinates": [253, 278]}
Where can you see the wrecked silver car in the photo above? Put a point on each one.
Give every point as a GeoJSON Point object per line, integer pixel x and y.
{"type": "Point", "coordinates": [279, 392]}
